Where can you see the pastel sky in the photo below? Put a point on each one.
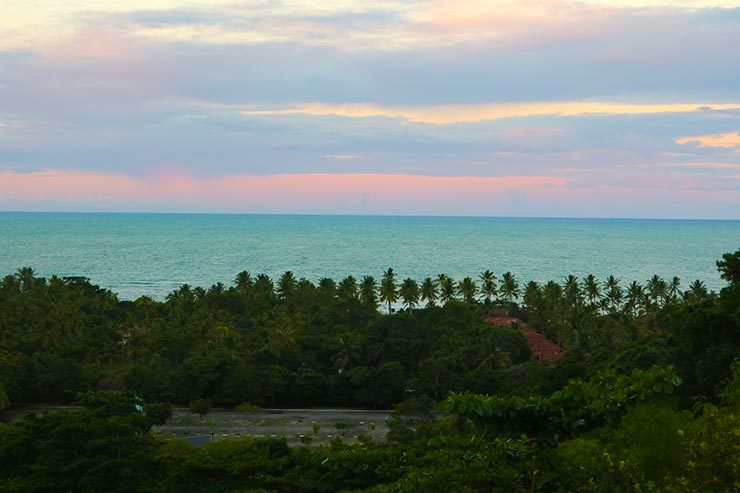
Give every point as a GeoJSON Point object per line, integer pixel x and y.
{"type": "Point", "coordinates": [595, 108]}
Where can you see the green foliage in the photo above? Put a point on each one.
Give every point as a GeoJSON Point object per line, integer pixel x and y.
{"type": "Point", "coordinates": [247, 407]}
{"type": "Point", "coordinates": [104, 447]}
{"type": "Point", "coordinates": [4, 401]}
{"type": "Point", "coordinates": [295, 343]}
{"type": "Point", "coordinates": [729, 267]}
{"type": "Point", "coordinates": [579, 406]}
{"type": "Point", "coordinates": [200, 406]}
{"type": "Point", "coordinates": [158, 413]}
{"type": "Point", "coordinates": [612, 415]}
{"type": "Point", "coordinates": [656, 448]}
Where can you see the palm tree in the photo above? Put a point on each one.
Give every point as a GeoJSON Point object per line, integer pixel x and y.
{"type": "Point", "coordinates": [224, 339]}
{"type": "Point", "coordinates": [572, 291]}
{"type": "Point", "coordinates": [532, 294]}
{"type": "Point", "coordinates": [614, 293]}
{"type": "Point", "coordinates": [348, 351]}
{"type": "Point", "coordinates": [446, 288]}
{"type": "Point", "coordinates": [347, 289]}
{"type": "Point", "coordinates": [491, 356]}
{"type": "Point", "coordinates": [697, 291]}
{"type": "Point", "coordinates": [286, 286]}
{"type": "Point", "coordinates": [409, 293]}
{"type": "Point", "coordinates": [281, 334]}
{"type": "Point", "coordinates": [467, 289]}
{"type": "Point", "coordinates": [509, 287]}
{"type": "Point", "coordinates": [145, 304]}
{"type": "Point", "coordinates": [429, 291]}
{"type": "Point", "coordinates": [264, 288]}
{"type": "Point", "coordinates": [592, 288]}
{"type": "Point", "coordinates": [488, 285]}
{"type": "Point", "coordinates": [635, 299]}
{"type": "Point", "coordinates": [657, 289]}
{"type": "Point", "coordinates": [243, 282]}
{"type": "Point", "coordinates": [369, 292]}
{"type": "Point", "coordinates": [26, 278]}
{"type": "Point", "coordinates": [388, 289]}
{"type": "Point", "coordinates": [52, 338]}
{"type": "Point", "coordinates": [221, 333]}
{"type": "Point", "coordinates": [327, 289]}
{"type": "Point", "coordinates": [217, 289]}
{"type": "Point", "coordinates": [674, 289]}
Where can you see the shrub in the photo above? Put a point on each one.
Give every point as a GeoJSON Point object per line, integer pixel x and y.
{"type": "Point", "coordinates": [200, 406]}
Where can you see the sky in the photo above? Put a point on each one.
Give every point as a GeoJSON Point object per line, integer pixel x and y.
{"type": "Point", "coordinates": [596, 108]}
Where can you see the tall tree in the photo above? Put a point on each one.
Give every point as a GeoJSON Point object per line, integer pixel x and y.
{"type": "Point", "coordinates": [243, 282]}
{"type": "Point", "coordinates": [429, 291]}
{"type": "Point", "coordinates": [369, 292]}
{"type": "Point", "coordinates": [287, 285]}
{"type": "Point", "coordinates": [264, 288]}
{"type": "Point", "coordinates": [572, 291]}
{"type": "Point", "coordinates": [697, 291]}
{"type": "Point", "coordinates": [592, 289]}
{"type": "Point", "coordinates": [509, 287]}
{"type": "Point", "coordinates": [657, 290]}
{"type": "Point", "coordinates": [613, 294]}
{"type": "Point", "coordinates": [729, 267]}
{"type": "Point", "coordinates": [467, 289]}
{"type": "Point", "coordinates": [635, 299]}
{"type": "Point", "coordinates": [488, 286]}
{"type": "Point", "coordinates": [348, 351]}
{"type": "Point", "coordinates": [326, 290]}
{"type": "Point", "coordinates": [674, 289]}
{"type": "Point", "coordinates": [409, 293]}
{"type": "Point", "coordinates": [281, 334]}
{"type": "Point", "coordinates": [347, 288]}
{"type": "Point", "coordinates": [388, 289]}
{"type": "Point", "coordinates": [446, 288]}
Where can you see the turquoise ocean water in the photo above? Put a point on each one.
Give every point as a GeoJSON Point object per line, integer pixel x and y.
{"type": "Point", "coordinates": [136, 254]}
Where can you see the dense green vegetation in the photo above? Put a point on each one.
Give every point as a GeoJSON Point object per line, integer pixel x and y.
{"type": "Point", "coordinates": [647, 397]}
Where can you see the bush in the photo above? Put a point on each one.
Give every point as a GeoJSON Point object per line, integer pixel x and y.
{"type": "Point", "coordinates": [158, 413]}
{"type": "Point", "coordinates": [200, 406]}
{"type": "Point", "coordinates": [247, 407]}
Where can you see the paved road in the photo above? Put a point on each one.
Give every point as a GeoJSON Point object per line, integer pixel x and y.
{"type": "Point", "coordinates": [297, 426]}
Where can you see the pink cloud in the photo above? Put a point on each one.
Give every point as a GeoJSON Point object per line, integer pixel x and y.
{"type": "Point", "coordinates": [528, 22]}
{"type": "Point", "coordinates": [284, 192]}
{"type": "Point", "coordinates": [649, 194]}
{"type": "Point", "coordinates": [532, 132]}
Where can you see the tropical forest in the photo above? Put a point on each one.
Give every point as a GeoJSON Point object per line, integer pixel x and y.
{"type": "Point", "coordinates": [487, 383]}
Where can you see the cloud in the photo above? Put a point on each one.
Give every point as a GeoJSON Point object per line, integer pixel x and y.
{"type": "Point", "coordinates": [725, 140]}
{"type": "Point", "coordinates": [450, 114]}
{"type": "Point", "coordinates": [532, 132]}
{"type": "Point", "coordinates": [370, 193]}
{"type": "Point", "coordinates": [361, 194]}
{"type": "Point", "coordinates": [341, 157]}
{"type": "Point", "coordinates": [400, 88]}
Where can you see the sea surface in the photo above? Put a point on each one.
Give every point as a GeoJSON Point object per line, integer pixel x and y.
{"type": "Point", "coordinates": [153, 254]}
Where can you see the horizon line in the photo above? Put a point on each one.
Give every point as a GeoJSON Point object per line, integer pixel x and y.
{"type": "Point", "coordinates": [360, 215]}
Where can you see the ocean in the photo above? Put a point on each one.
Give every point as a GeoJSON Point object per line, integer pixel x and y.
{"type": "Point", "coordinates": [153, 254]}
